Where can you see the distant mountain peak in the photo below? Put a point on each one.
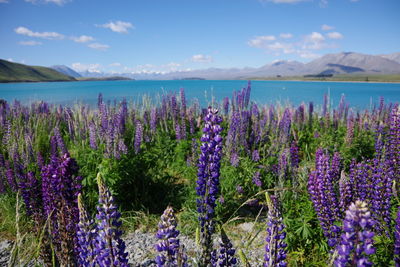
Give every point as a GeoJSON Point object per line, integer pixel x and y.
{"type": "Point", "coordinates": [65, 70]}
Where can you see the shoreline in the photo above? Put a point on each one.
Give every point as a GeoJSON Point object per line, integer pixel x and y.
{"type": "Point", "coordinates": [265, 80]}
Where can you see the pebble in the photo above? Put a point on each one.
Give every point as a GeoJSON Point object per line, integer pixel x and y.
{"type": "Point", "coordinates": [140, 247]}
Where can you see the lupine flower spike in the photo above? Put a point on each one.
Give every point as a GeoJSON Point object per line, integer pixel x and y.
{"type": "Point", "coordinates": [275, 253]}
{"type": "Point", "coordinates": [86, 234]}
{"type": "Point", "coordinates": [356, 243]}
{"type": "Point", "coordinates": [226, 255]}
{"type": "Point", "coordinates": [208, 180]}
{"type": "Point", "coordinates": [169, 247]}
{"type": "Point", "coordinates": [110, 248]}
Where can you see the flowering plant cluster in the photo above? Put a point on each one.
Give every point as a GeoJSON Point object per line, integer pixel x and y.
{"type": "Point", "coordinates": [147, 147]}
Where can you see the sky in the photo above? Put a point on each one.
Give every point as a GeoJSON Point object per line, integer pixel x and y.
{"type": "Point", "coordinates": [141, 36]}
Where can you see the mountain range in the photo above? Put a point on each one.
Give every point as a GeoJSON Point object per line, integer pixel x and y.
{"type": "Point", "coordinates": [347, 63]}
{"type": "Point", "coordinates": [330, 64]}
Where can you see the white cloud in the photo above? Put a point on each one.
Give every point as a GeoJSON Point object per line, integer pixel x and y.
{"type": "Point", "coordinates": [304, 47]}
{"type": "Point", "coordinates": [286, 35]}
{"type": "Point", "coordinates": [115, 64]}
{"type": "Point", "coordinates": [323, 3]}
{"type": "Point", "coordinates": [10, 59]}
{"type": "Point", "coordinates": [86, 67]}
{"type": "Point", "coordinates": [259, 41]}
{"type": "Point", "coordinates": [44, 35]}
{"type": "Point", "coordinates": [118, 26]}
{"type": "Point", "coordinates": [202, 58]}
{"type": "Point", "coordinates": [327, 27]}
{"type": "Point", "coordinates": [281, 47]}
{"type": "Point", "coordinates": [57, 2]}
{"type": "Point", "coordinates": [334, 35]}
{"type": "Point", "coordinates": [98, 46]}
{"type": "Point", "coordinates": [314, 41]}
{"type": "Point", "coordinates": [316, 37]}
{"type": "Point", "coordinates": [3, 1]}
{"type": "Point", "coordinates": [30, 43]}
{"type": "Point", "coordinates": [82, 39]}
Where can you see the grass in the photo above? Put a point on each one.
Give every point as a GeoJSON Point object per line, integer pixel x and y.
{"type": "Point", "coordinates": [14, 72]}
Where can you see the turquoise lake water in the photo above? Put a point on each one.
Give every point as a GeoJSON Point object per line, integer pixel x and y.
{"type": "Point", "coordinates": [360, 95]}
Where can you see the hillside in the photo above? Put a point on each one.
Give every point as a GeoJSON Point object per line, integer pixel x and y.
{"type": "Point", "coordinates": [65, 70]}
{"type": "Point", "coordinates": [15, 72]}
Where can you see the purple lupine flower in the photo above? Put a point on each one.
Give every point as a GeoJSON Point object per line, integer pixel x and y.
{"type": "Point", "coordinates": [379, 140]}
{"type": "Point", "coordinates": [255, 156]}
{"type": "Point", "coordinates": [122, 147]}
{"type": "Point", "coordinates": [110, 140]}
{"type": "Point", "coordinates": [382, 176]}
{"type": "Point", "coordinates": [346, 190]}
{"type": "Point", "coordinates": [60, 188]}
{"type": "Point", "coordinates": [208, 179]}
{"type": "Point", "coordinates": [283, 163]}
{"type": "Point", "coordinates": [247, 94]}
{"type": "Point", "coordinates": [350, 129]}
{"type": "Point", "coordinates": [2, 181]}
{"type": "Point", "coordinates": [342, 106]}
{"type": "Point", "coordinates": [86, 234]}
{"type": "Point", "coordinates": [60, 141]}
{"type": "Point", "coordinates": [321, 190]}
{"type": "Point", "coordinates": [10, 176]}
{"type": "Point", "coordinates": [285, 125]}
{"type": "Point", "coordinates": [178, 133]}
{"type": "Point", "coordinates": [239, 189]}
{"type": "Point", "coordinates": [138, 136]}
{"type": "Point", "coordinates": [356, 243]}
{"type": "Point", "coordinates": [381, 105]}
{"type": "Point", "coordinates": [275, 248]}
{"type": "Point", "coordinates": [397, 239]}
{"type": "Point", "coordinates": [31, 194]}
{"type": "Point", "coordinates": [325, 106]}
{"type": "Point", "coordinates": [254, 110]}
{"type": "Point", "coordinates": [393, 146]}
{"type": "Point", "coordinates": [226, 251]}
{"type": "Point", "coordinates": [225, 105]}
{"type": "Point", "coordinates": [256, 179]}
{"type": "Point", "coordinates": [168, 246]}
{"type": "Point", "coordinates": [110, 248]}
{"type": "Point", "coordinates": [153, 120]}
{"type": "Point", "coordinates": [7, 134]}
{"type": "Point", "coordinates": [183, 114]}
{"type": "Point", "coordinates": [234, 159]}
{"type": "Point", "coordinates": [92, 135]}
{"type": "Point", "coordinates": [310, 112]}
{"type": "Point", "coordinates": [294, 155]}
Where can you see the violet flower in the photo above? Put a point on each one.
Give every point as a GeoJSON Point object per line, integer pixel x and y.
{"type": "Point", "coordinates": [110, 248]}
{"type": "Point", "coordinates": [275, 248]}
{"type": "Point", "coordinates": [397, 239]}
{"type": "Point", "coordinates": [86, 234]}
{"type": "Point", "coordinates": [226, 253]}
{"type": "Point", "coordinates": [208, 179]}
{"type": "Point", "coordinates": [138, 136]}
{"type": "Point", "coordinates": [256, 179]}
{"type": "Point", "coordinates": [294, 155]}
{"type": "Point", "coordinates": [255, 156]}
{"type": "Point", "coordinates": [321, 190]}
{"type": "Point", "coordinates": [356, 243]}
{"type": "Point", "coordinates": [168, 246]}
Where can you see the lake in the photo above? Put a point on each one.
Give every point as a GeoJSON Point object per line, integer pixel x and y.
{"type": "Point", "coordinates": [359, 95]}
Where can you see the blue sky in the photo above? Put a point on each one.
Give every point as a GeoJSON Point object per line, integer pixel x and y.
{"type": "Point", "coordinates": [169, 35]}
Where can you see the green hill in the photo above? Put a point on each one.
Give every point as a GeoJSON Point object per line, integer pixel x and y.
{"type": "Point", "coordinates": [14, 72]}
